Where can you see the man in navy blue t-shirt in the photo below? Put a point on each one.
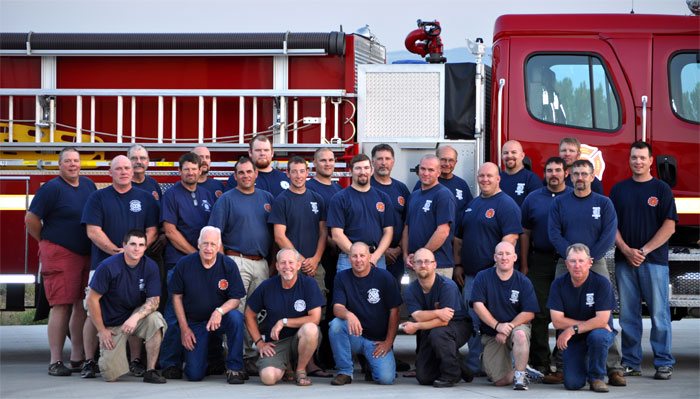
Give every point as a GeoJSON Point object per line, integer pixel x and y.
{"type": "Point", "coordinates": [206, 288]}
{"type": "Point", "coordinates": [516, 180]}
{"type": "Point", "coordinates": [585, 217]}
{"type": "Point", "coordinates": [581, 304]}
{"type": "Point", "coordinates": [441, 320]}
{"type": "Point", "coordinates": [383, 163]}
{"type": "Point", "coordinates": [430, 219]}
{"type": "Point", "coordinates": [138, 155]}
{"type": "Point", "coordinates": [570, 152]}
{"type": "Point", "coordinates": [292, 302]}
{"type": "Point", "coordinates": [123, 303]}
{"type": "Point", "coordinates": [646, 214]}
{"type": "Point", "coordinates": [53, 219]}
{"type": "Point", "coordinates": [269, 179]}
{"type": "Point", "coordinates": [361, 213]}
{"type": "Point", "coordinates": [215, 186]}
{"type": "Point", "coordinates": [505, 302]}
{"type": "Point", "coordinates": [366, 305]}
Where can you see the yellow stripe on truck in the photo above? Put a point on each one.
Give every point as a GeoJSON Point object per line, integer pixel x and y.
{"type": "Point", "coordinates": [689, 205]}
{"type": "Point", "coordinates": [14, 202]}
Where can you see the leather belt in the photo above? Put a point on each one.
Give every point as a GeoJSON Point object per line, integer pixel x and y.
{"type": "Point", "coordinates": [235, 253]}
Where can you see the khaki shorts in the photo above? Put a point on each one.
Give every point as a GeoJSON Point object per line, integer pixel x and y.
{"type": "Point", "coordinates": [496, 357]}
{"type": "Point", "coordinates": [87, 291]}
{"type": "Point", "coordinates": [113, 363]}
{"type": "Point", "coordinates": [286, 352]}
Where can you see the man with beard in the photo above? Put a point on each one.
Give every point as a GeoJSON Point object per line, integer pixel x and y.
{"type": "Point", "coordinates": [538, 259]}
{"type": "Point", "coordinates": [570, 152]}
{"type": "Point", "coordinates": [293, 304]}
{"type": "Point", "coordinates": [585, 217]}
{"type": "Point", "coordinates": [216, 187]}
{"type": "Point", "coordinates": [457, 186]}
{"type": "Point", "coordinates": [516, 181]}
{"type": "Point", "coordinates": [361, 213]}
{"type": "Point", "coordinates": [383, 163]}
{"type": "Point", "coordinates": [269, 179]}
{"type": "Point", "coordinates": [242, 215]}
{"type": "Point", "coordinates": [53, 219]}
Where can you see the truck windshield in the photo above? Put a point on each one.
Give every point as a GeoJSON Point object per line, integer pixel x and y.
{"type": "Point", "coordinates": [571, 90]}
{"type": "Point", "coordinates": [684, 84]}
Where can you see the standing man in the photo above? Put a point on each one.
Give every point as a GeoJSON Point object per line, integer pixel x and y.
{"type": "Point", "coordinates": [216, 187]}
{"type": "Point", "coordinates": [322, 183]}
{"type": "Point", "coordinates": [505, 302]}
{"type": "Point", "coordinates": [206, 289]}
{"type": "Point", "coordinates": [646, 214]}
{"type": "Point", "coordinates": [430, 219]}
{"type": "Point", "coordinates": [108, 215]}
{"type": "Point", "coordinates": [570, 152]}
{"type": "Point", "coordinates": [538, 258]}
{"type": "Point", "coordinates": [269, 179]}
{"type": "Point", "coordinates": [441, 319]}
{"type": "Point", "coordinates": [516, 181]}
{"type": "Point", "coordinates": [490, 218]}
{"type": "Point", "coordinates": [581, 304]}
{"type": "Point", "coordinates": [117, 308]}
{"type": "Point", "coordinates": [293, 304]}
{"type": "Point", "coordinates": [585, 217]}
{"type": "Point", "coordinates": [361, 213]}
{"type": "Point", "coordinates": [138, 155]}
{"type": "Point", "coordinates": [366, 305]}
{"type": "Point", "coordinates": [242, 215]}
{"type": "Point", "coordinates": [53, 219]}
{"type": "Point", "coordinates": [186, 210]}
{"type": "Point", "coordinates": [457, 186]}
{"type": "Point", "coordinates": [383, 163]}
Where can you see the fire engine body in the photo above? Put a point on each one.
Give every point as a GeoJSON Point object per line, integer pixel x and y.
{"type": "Point", "coordinates": [607, 79]}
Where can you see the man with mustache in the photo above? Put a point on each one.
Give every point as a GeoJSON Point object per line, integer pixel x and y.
{"type": "Point", "coordinates": [215, 186]}
{"type": "Point", "coordinates": [269, 179]}
{"type": "Point", "coordinates": [138, 155]}
{"type": "Point", "coordinates": [516, 181]}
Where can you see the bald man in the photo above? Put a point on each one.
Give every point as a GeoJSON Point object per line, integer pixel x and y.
{"type": "Point", "coordinates": [516, 180]}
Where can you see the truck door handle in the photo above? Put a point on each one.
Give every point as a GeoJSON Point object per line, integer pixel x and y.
{"type": "Point", "coordinates": [644, 118]}
{"type": "Point", "coordinates": [501, 85]}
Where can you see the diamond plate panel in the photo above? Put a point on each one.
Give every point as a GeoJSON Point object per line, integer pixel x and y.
{"type": "Point", "coordinates": [404, 104]}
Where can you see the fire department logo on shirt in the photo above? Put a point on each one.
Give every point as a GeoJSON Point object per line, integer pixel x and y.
{"type": "Point", "coordinates": [653, 201]}
{"type": "Point", "coordinates": [490, 213]}
{"type": "Point", "coordinates": [155, 195]}
{"type": "Point", "coordinates": [218, 193]}
{"type": "Point", "coordinates": [300, 305]}
{"type": "Point", "coordinates": [596, 212]}
{"type": "Point", "coordinates": [373, 296]}
{"type": "Point", "coordinates": [206, 205]}
{"type": "Point", "coordinates": [314, 207]}
{"type": "Point", "coordinates": [284, 184]}
{"type": "Point", "coordinates": [520, 190]}
{"type": "Point", "coordinates": [223, 284]}
{"type": "Point", "coordinates": [426, 206]}
{"type": "Point", "coordinates": [135, 206]}
{"type": "Point", "coordinates": [590, 299]}
{"type": "Point", "coordinates": [401, 200]}
{"type": "Point", "coordinates": [514, 296]}
{"type": "Point", "coordinates": [267, 207]}
{"type": "Point", "coordinates": [458, 194]}
{"type": "Point", "coordinates": [142, 285]}
{"type": "Point", "coordinates": [380, 206]}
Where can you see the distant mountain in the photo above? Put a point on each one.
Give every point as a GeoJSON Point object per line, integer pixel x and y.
{"type": "Point", "coordinates": [459, 54]}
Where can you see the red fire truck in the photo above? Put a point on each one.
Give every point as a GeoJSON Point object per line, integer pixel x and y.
{"type": "Point", "coordinates": [607, 79]}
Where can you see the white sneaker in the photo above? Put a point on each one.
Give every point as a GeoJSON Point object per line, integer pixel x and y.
{"type": "Point", "coordinates": [520, 382]}
{"type": "Point", "coordinates": [533, 375]}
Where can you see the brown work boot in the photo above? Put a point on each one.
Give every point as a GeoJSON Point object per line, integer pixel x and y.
{"type": "Point", "coordinates": [341, 379]}
{"type": "Point", "coordinates": [598, 386]}
{"type": "Point", "coordinates": [554, 378]}
{"type": "Point", "coordinates": [616, 379]}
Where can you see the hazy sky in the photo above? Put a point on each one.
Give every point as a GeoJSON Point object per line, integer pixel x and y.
{"type": "Point", "coordinates": [389, 20]}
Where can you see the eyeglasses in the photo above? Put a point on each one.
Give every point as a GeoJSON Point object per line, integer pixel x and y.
{"type": "Point", "coordinates": [194, 198]}
{"type": "Point", "coordinates": [423, 262]}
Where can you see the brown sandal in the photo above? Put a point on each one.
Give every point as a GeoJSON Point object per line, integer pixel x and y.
{"type": "Point", "coordinates": [302, 379]}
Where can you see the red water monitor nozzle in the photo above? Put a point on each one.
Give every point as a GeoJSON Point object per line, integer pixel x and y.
{"type": "Point", "coordinates": [426, 42]}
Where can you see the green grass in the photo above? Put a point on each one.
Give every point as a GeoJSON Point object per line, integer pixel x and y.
{"type": "Point", "coordinates": [24, 318]}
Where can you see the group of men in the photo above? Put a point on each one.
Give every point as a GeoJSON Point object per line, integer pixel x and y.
{"type": "Point", "coordinates": [348, 249]}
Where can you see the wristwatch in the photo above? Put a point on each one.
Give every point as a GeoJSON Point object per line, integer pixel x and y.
{"type": "Point", "coordinates": [575, 327]}
{"type": "Point", "coordinates": [284, 322]}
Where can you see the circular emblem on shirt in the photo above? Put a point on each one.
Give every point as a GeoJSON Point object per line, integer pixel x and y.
{"type": "Point", "coordinates": [401, 200]}
{"type": "Point", "coordinates": [135, 206]}
{"type": "Point", "coordinates": [489, 213]}
{"type": "Point", "coordinates": [267, 207]}
{"type": "Point", "coordinates": [284, 184]}
{"type": "Point", "coordinates": [380, 206]}
{"type": "Point", "coordinates": [653, 201]}
{"type": "Point", "coordinates": [300, 305]}
{"type": "Point", "coordinates": [373, 296]}
{"type": "Point", "coordinates": [155, 195]}
{"type": "Point", "coordinates": [223, 284]}
{"type": "Point", "coordinates": [218, 193]}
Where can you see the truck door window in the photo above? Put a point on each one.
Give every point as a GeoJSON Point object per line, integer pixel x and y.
{"type": "Point", "coordinates": [571, 90]}
{"type": "Point", "coordinates": [684, 84]}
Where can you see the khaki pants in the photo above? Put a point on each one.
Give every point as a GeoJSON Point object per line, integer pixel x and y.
{"type": "Point", "coordinates": [253, 273]}
{"type": "Point", "coordinates": [496, 356]}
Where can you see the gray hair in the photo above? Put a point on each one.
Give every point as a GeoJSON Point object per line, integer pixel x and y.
{"type": "Point", "coordinates": [281, 251]}
{"type": "Point", "coordinates": [578, 247]}
{"type": "Point", "coordinates": [65, 150]}
{"type": "Point", "coordinates": [206, 229]}
{"type": "Point", "coordinates": [133, 148]}
{"type": "Point", "coordinates": [429, 156]}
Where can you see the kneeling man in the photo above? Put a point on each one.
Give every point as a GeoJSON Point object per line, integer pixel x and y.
{"type": "Point", "coordinates": [366, 302]}
{"type": "Point", "coordinates": [293, 304]}
{"type": "Point", "coordinates": [441, 320]}
{"type": "Point", "coordinates": [118, 310]}
{"type": "Point", "coordinates": [505, 302]}
{"type": "Point", "coordinates": [206, 288]}
{"type": "Point", "coordinates": [581, 304]}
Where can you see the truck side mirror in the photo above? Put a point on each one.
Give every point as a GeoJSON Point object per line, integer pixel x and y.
{"type": "Point", "coordinates": [667, 169]}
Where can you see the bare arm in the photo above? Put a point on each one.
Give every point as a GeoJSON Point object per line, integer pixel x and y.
{"type": "Point", "coordinates": [634, 256]}
{"type": "Point", "coordinates": [438, 238]}
{"type": "Point", "coordinates": [33, 224]}
{"type": "Point", "coordinates": [511, 238]}
{"type": "Point", "coordinates": [340, 239]}
{"type": "Point", "coordinates": [281, 239]}
{"type": "Point", "coordinates": [177, 239]}
{"type": "Point", "coordinates": [151, 235]}
{"type": "Point", "coordinates": [99, 238]}
{"type": "Point", "coordinates": [662, 235]}
{"type": "Point", "coordinates": [562, 322]}
{"type": "Point", "coordinates": [458, 275]}
{"type": "Point", "coordinates": [105, 334]}
{"type": "Point", "coordinates": [384, 242]}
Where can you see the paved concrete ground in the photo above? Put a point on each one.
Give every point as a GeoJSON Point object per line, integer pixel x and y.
{"type": "Point", "coordinates": [24, 360]}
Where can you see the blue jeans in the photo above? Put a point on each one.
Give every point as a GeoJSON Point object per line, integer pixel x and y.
{"type": "Point", "coordinates": [475, 347]}
{"type": "Point", "coordinates": [344, 262]}
{"type": "Point", "coordinates": [171, 348]}
{"type": "Point", "coordinates": [196, 360]}
{"type": "Point", "coordinates": [585, 359]}
{"type": "Point", "coordinates": [649, 283]}
{"type": "Point", "coordinates": [344, 345]}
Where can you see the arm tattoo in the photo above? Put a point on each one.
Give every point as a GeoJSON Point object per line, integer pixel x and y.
{"type": "Point", "coordinates": [149, 306]}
